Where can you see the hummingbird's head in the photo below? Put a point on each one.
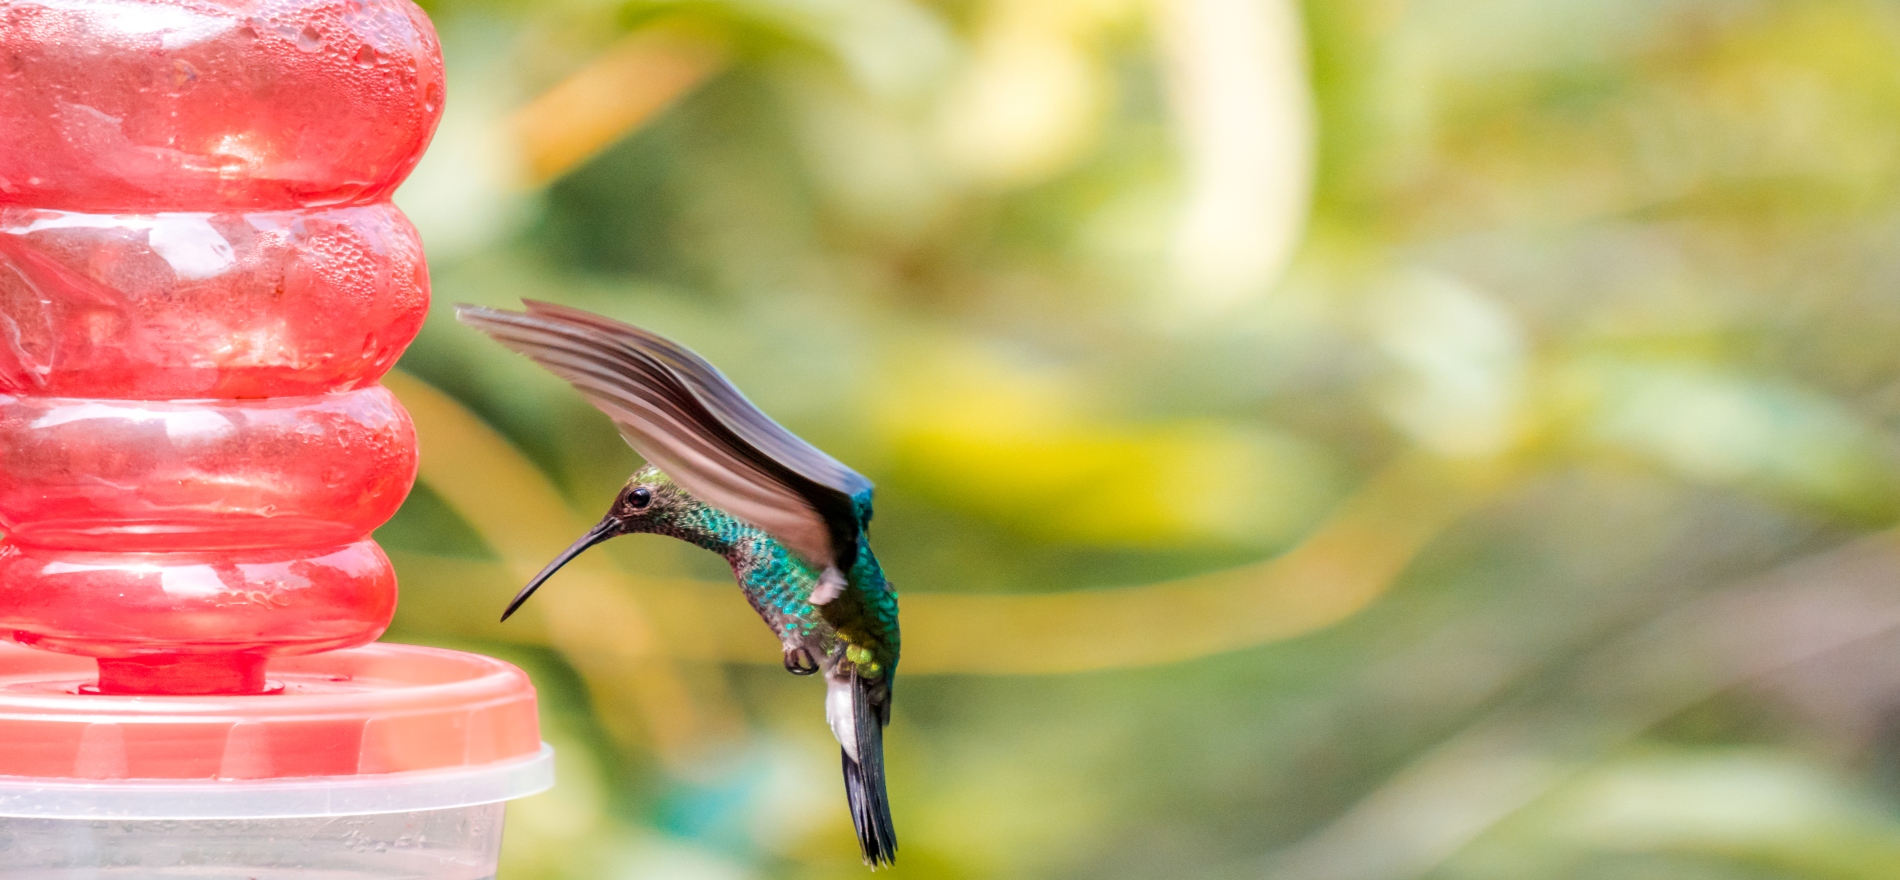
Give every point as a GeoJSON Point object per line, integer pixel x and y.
{"type": "Point", "coordinates": [649, 502]}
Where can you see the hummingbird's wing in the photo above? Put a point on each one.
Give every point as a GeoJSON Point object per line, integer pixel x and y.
{"type": "Point", "coordinates": [721, 398]}
{"type": "Point", "coordinates": [682, 415]}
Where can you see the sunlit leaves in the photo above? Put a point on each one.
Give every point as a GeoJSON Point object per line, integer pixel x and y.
{"type": "Point", "coordinates": [1616, 276]}
{"type": "Point", "coordinates": [1712, 425]}
{"type": "Point", "coordinates": [1019, 443]}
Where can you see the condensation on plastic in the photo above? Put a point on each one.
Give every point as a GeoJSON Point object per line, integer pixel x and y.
{"type": "Point", "coordinates": [452, 844]}
{"type": "Point", "coordinates": [266, 602]}
{"type": "Point", "coordinates": [235, 104]}
{"type": "Point", "coordinates": [199, 305]}
{"type": "Point", "coordinates": [315, 471]}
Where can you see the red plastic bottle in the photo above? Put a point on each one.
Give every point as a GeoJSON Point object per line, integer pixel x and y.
{"type": "Point", "coordinates": [201, 280]}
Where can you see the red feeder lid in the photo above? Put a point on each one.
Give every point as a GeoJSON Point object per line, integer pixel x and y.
{"type": "Point", "coordinates": [379, 709]}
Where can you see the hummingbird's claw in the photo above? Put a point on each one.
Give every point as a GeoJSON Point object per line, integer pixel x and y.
{"type": "Point", "coordinates": [798, 661]}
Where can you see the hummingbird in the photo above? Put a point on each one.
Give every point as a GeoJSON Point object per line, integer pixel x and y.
{"type": "Point", "coordinates": [791, 521]}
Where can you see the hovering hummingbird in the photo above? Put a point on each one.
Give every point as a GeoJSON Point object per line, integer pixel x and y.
{"type": "Point", "coordinates": [722, 475]}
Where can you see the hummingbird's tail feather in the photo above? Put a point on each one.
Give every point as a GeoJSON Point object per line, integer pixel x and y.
{"type": "Point", "coordinates": [864, 775]}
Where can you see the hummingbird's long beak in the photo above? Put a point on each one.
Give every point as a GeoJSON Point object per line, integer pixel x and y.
{"type": "Point", "coordinates": [608, 527]}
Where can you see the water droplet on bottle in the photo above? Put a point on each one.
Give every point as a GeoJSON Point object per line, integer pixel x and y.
{"type": "Point", "coordinates": [310, 39]}
{"type": "Point", "coordinates": [366, 56]}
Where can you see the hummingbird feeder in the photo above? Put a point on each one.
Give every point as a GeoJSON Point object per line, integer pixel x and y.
{"type": "Point", "coordinates": [201, 281]}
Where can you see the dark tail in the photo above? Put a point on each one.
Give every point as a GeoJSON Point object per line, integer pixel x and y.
{"type": "Point", "coordinates": [864, 778]}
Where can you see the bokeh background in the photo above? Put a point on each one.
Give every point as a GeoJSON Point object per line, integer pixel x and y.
{"type": "Point", "coordinates": [1341, 440]}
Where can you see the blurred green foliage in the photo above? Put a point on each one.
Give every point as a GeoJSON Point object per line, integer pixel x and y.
{"type": "Point", "coordinates": [1104, 293]}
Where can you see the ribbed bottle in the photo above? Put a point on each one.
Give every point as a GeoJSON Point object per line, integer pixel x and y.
{"type": "Point", "coordinates": [201, 281]}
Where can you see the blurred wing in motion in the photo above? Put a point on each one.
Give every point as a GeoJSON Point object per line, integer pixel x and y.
{"type": "Point", "coordinates": [721, 398]}
{"type": "Point", "coordinates": [686, 418]}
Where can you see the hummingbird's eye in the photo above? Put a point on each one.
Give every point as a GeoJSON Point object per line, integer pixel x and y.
{"type": "Point", "coordinates": [640, 497]}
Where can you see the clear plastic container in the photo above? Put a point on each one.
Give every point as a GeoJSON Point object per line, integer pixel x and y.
{"type": "Point", "coordinates": [457, 844]}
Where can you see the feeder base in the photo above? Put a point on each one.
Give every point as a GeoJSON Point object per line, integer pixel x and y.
{"type": "Point", "coordinates": [460, 844]}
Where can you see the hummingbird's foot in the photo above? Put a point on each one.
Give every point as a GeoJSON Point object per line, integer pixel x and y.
{"type": "Point", "coordinates": [798, 661]}
{"type": "Point", "coordinates": [831, 585]}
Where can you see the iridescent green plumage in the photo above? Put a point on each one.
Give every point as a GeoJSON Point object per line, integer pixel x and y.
{"type": "Point", "coordinates": [779, 584]}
